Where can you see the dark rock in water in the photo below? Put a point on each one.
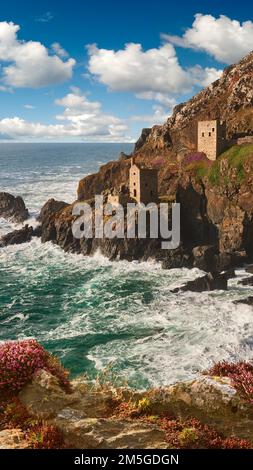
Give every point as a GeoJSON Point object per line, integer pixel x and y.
{"type": "Point", "coordinates": [205, 257]}
{"type": "Point", "coordinates": [13, 208]}
{"type": "Point", "coordinates": [247, 301]}
{"type": "Point", "coordinates": [210, 281]}
{"type": "Point", "coordinates": [230, 273]}
{"type": "Point", "coordinates": [248, 281]}
{"type": "Point", "coordinates": [47, 219]}
{"type": "Point", "coordinates": [17, 237]}
{"type": "Point", "coordinates": [249, 269]}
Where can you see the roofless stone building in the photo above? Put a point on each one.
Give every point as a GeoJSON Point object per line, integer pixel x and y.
{"type": "Point", "coordinates": [143, 184]}
{"type": "Point", "coordinates": [212, 138]}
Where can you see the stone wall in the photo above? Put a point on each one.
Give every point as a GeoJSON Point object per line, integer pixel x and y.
{"type": "Point", "coordinates": [248, 139]}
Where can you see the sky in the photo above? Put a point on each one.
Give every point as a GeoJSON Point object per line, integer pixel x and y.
{"type": "Point", "coordinates": [100, 71]}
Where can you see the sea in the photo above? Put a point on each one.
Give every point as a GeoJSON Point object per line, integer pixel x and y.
{"type": "Point", "coordinates": [95, 314]}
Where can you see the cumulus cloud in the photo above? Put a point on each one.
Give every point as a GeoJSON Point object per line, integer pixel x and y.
{"type": "Point", "coordinates": [29, 64]}
{"type": "Point", "coordinates": [154, 74]}
{"type": "Point", "coordinates": [133, 69]}
{"type": "Point", "coordinates": [225, 39]}
{"type": "Point", "coordinates": [81, 119]}
{"type": "Point", "coordinates": [29, 106]}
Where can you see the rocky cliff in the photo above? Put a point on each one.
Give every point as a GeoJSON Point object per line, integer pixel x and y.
{"type": "Point", "coordinates": [216, 198]}
{"type": "Point", "coordinates": [41, 409]}
{"type": "Point", "coordinates": [230, 98]}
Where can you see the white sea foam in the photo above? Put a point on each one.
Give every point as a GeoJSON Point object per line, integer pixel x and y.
{"type": "Point", "coordinates": [92, 311]}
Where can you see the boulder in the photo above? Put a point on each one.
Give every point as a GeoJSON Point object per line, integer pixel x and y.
{"type": "Point", "coordinates": [44, 397]}
{"type": "Point", "coordinates": [247, 301]}
{"type": "Point", "coordinates": [13, 208]}
{"type": "Point", "coordinates": [104, 433]}
{"type": "Point", "coordinates": [47, 218]}
{"type": "Point", "coordinates": [210, 281]}
{"type": "Point", "coordinates": [17, 237]}
{"type": "Point", "coordinates": [248, 281]}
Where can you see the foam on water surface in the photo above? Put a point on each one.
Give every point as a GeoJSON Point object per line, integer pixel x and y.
{"type": "Point", "coordinates": [92, 312]}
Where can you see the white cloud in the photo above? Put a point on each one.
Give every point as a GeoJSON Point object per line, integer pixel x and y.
{"type": "Point", "coordinates": [58, 50]}
{"type": "Point", "coordinates": [29, 106]}
{"type": "Point", "coordinates": [133, 69]}
{"type": "Point", "coordinates": [155, 74]}
{"type": "Point", "coordinates": [225, 39]}
{"type": "Point", "coordinates": [159, 116]}
{"type": "Point", "coordinates": [81, 118]}
{"type": "Point", "coordinates": [205, 76]}
{"type": "Point", "coordinates": [29, 63]}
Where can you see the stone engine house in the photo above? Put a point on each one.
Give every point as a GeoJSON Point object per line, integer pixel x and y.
{"type": "Point", "coordinates": [143, 184]}
{"type": "Point", "coordinates": [211, 138]}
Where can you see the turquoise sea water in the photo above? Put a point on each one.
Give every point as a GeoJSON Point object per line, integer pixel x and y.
{"type": "Point", "coordinates": [92, 312]}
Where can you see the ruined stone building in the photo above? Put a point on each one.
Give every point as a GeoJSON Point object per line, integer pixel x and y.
{"type": "Point", "coordinates": [211, 138]}
{"type": "Point", "coordinates": [143, 184]}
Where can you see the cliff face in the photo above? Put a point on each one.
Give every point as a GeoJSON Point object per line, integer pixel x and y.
{"type": "Point", "coordinates": [230, 98]}
{"type": "Point", "coordinates": [216, 204]}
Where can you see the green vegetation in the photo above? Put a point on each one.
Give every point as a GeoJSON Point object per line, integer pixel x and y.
{"type": "Point", "coordinates": [236, 157]}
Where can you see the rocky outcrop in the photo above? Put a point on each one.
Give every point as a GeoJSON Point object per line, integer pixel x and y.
{"type": "Point", "coordinates": [230, 98]}
{"type": "Point", "coordinates": [216, 209]}
{"type": "Point", "coordinates": [13, 208]}
{"type": "Point", "coordinates": [247, 301]}
{"type": "Point", "coordinates": [211, 281]}
{"type": "Point", "coordinates": [22, 235]}
{"type": "Point", "coordinates": [110, 176]}
{"type": "Point", "coordinates": [212, 400]}
{"type": "Point", "coordinates": [248, 281]}
{"type": "Point", "coordinates": [85, 417]}
{"type": "Point", "coordinates": [142, 139]}
{"type": "Point", "coordinates": [47, 217]}
{"type": "Point", "coordinates": [88, 417]}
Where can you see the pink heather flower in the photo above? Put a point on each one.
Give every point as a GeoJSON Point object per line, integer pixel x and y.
{"type": "Point", "coordinates": [20, 360]}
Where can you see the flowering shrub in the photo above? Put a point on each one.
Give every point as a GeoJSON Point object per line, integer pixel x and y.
{"type": "Point", "coordinates": [20, 360]}
{"type": "Point", "coordinates": [192, 434]}
{"type": "Point", "coordinates": [45, 436]}
{"type": "Point", "coordinates": [195, 157]}
{"type": "Point", "coordinates": [241, 375]}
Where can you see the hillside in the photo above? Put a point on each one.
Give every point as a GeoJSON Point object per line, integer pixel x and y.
{"type": "Point", "coordinates": [230, 98]}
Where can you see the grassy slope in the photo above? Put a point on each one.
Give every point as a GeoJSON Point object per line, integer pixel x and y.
{"type": "Point", "coordinates": [235, 158]}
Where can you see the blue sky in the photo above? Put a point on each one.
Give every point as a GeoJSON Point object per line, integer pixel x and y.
{"type": "Point", "coordinates": [142, 59]}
